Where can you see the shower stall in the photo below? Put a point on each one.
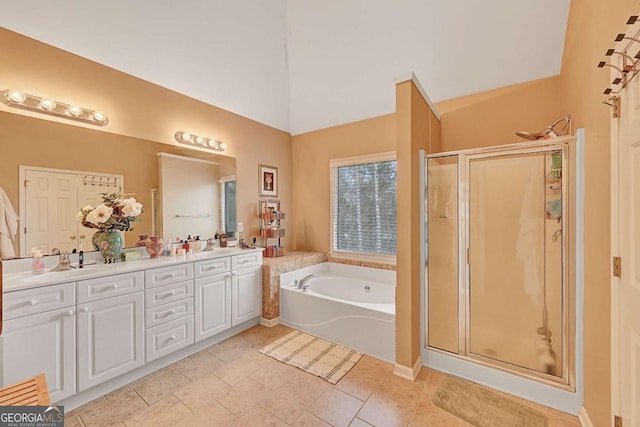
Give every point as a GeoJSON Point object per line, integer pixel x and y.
{"type": "Point", "coordinates": [499, 301]}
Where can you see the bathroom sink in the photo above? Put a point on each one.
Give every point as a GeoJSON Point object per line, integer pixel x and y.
{"type": "Point", "coordinates": [214, 252]}
{"type": "Point", "coordinates": [28, 277]}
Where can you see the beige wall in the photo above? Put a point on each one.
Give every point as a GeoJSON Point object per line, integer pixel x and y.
{"type": "Point", "coordinates": [311, 178]}
{"type": "Point", "coordinates": [413, 133]}
{"type": "Point", "coordinates": [140, 109]}
{"type": "Point", "coordinates": [492, 118]}
{"type": "Point", "coordinates": [592, 26]}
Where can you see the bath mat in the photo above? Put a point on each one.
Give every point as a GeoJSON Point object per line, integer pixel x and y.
{"type": "Point", "coordinates": [318, 357]}
{"type": "Point", "coordinates": [482, 407]}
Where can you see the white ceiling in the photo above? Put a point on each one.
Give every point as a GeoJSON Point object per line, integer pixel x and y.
{"type": "Point", "coordinates": [342, 58]}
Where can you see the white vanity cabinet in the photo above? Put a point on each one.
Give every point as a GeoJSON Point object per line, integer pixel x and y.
{"type": "Point", "coordinates": [110, 327]}
{"type": "Point", "coordinates": [212, 297]}
{"type": "Point", "coordinates": [228, 297]}
{"type": "Point", "coordinates": [39, 336]}
{"type": "Point", "coordinates": [89, 336]}
{"type": "Point", "coordinates": [246, 287]}
{"type": "Point", "coordinates": [169, 309]}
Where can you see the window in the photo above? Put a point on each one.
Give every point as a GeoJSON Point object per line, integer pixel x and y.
{"type": "Point", "coordinates": [228, 205]}
{"type": "Point", "coordinates": [363, 202]}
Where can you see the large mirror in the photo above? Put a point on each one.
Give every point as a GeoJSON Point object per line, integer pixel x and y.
{"type": "Point", "coordinates": [89, 161]}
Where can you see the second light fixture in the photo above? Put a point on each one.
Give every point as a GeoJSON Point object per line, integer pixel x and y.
{"type": "Point", "coordinates": [191, 139]}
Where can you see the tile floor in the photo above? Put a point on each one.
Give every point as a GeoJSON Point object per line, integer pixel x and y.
{"type": "Point", "coordinates": [232, 384]}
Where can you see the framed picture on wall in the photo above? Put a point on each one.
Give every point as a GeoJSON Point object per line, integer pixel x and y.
{"type": "Point", "coordinates": [268, 180]}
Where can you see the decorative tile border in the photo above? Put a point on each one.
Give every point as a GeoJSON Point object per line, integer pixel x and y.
{"type": "Point", "coordinates": [361, 263]}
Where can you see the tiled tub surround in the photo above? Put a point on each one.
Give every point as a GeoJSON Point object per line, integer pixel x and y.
{"type": "Point", "coordinates": [272, 268]}
{"type": "Point", "coordinates": [95, 329]}
{"type": "Point", "coordinates": [350, 305]}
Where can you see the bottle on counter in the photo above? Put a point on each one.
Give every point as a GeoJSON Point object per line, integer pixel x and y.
{"type": "Point", "coordinates": [223, 240]}
{"type": "Point", "coordinates": [81, 257]}
{"type": "Point", "coordinates": [38, 261]}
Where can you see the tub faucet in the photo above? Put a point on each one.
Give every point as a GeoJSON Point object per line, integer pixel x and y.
{"type": "Point", "coordinates": [302, 282]}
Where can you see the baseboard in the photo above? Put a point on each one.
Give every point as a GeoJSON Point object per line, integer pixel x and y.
{"type": "Point", "coordinates": [584, 418]}
{"type": "Point", "coordinates": [406, 372]}
{"type": "Point", "coordinates": [269, 322]}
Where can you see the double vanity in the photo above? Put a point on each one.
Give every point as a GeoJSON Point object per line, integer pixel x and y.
{"type": "Point", "coordinates": [95, 329]}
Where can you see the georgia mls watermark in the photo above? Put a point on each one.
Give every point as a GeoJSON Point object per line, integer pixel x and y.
{"type": "Point", "coordinates": [31, 416]}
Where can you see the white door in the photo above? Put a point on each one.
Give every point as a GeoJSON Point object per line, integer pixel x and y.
{"type": "Point", "coordinates": [627, 166]}
{"type": "Point", "coordinates": [50, 212]}
{"type": "Point", "coordinates": [246, 294]}
{"type": "Point", "coordinates": [213, 305]}
{"type": "Point", "coordinates": [41, 343]}
{"type": "Point", "coordinates": [110, 338]}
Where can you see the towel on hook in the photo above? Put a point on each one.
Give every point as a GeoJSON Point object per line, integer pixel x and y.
{"type": "Point", "coordinates": [8, 227]}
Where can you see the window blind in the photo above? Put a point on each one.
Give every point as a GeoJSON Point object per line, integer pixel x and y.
{"type": "Point", "coordinates": [364, 207]}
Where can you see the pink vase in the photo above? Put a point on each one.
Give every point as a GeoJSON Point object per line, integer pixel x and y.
{"type": "Point", "coordinates": [144, 240]}
{"type": "Point", "coordinates": [154, 246]}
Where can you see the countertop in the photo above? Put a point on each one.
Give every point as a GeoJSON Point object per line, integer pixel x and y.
{"type": "Point", "coordinates": [25, 279]}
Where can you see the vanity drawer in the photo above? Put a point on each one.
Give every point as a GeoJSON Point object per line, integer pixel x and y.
{"type": "Point", "coordinates": [169, 337]}
{"type": "Point", "coordinates": [164, 313]}
{"type": "Point", "coordinates": [38, 300]}
{"type": "Point", "coordinates": [110, 286]}
{"type": "Point", "coordinates": [246, 260]}
{"type": "Point", "coordinates": [166, 275]}
{"type": "Point", "coordinates": [166, 294]}
{"type": "Point", "coordinates": [213, 266]}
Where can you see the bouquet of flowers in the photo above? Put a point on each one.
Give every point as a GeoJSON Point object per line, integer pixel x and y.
{"type": "Point", "coordinates": [114, 214]}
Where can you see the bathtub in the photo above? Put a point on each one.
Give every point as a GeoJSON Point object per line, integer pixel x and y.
{"type": "Point", "coordinates": [349, 305]}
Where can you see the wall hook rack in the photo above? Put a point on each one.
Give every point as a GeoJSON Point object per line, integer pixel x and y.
{"type": "Point", "coordinates": [628, 70]}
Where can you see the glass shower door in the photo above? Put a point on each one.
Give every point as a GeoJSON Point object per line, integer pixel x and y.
{"type": "Point", "coordinates": [515, 256]}
{"type": "Point", "coordinates": [443, 253]}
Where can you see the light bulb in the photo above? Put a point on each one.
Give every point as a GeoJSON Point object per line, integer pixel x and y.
{"type": "Point", "coordinates": [200, 140]}
{"type": "Point", "coordinates": [16, 96]}
{"type": "Point", "coordinates": [186, 137]}
{"type": "Point", "coordinates": [222, 146]}
{"type": "Point", "coordinates": [99, 116]}
{"type": "Point", "coordinates": [75, 111]}
{"type": "Point", "coordinates": [211, 143]}
{"type": "Point", "coordinates": [47, 104]}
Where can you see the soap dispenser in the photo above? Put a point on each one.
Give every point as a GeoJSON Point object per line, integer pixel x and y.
{"type": "Point", "coordinates": [38, 261]}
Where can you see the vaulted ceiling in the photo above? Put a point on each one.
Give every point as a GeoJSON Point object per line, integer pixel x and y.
{"type": "Point", "coordinates": [302, 65]}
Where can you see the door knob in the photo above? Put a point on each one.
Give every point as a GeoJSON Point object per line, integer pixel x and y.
{"type": "Point", "coordinates": [73, 237]}
{"type": "Point", "coordinates": [82, 236]}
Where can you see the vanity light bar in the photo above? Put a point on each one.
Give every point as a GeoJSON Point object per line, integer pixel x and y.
{"type": "Point", "coordinates": [19, 99]}
{"type": "Point", "coordinates": [200, 141]}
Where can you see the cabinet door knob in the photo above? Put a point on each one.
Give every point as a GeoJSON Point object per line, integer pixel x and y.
{"type": "Point", "coordinates": [82, 236]}
{"type": "Point", "coordinates": [115, 286]}
{"type": "Point", "coordinates": [172, 338]}
{"type": "Point", "coordinates": [85, 309]}
{"type": "Point", "coordinates": [173, 312]}
{"type": "Point", "coordinates": [173, 293]}
{"type": "Point", "coordinates": [73, 237]}
{"type": "Point", "coordinates": [33, 302]}
{"type": "Point", "coordinates": [70, 312]}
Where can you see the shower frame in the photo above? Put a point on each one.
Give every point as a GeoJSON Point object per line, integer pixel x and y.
{"type": "Point", "coordinates": [519, 378]}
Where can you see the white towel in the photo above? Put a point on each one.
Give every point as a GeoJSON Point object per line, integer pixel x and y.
{"type": "Point", "coordinates": [8, 227]}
